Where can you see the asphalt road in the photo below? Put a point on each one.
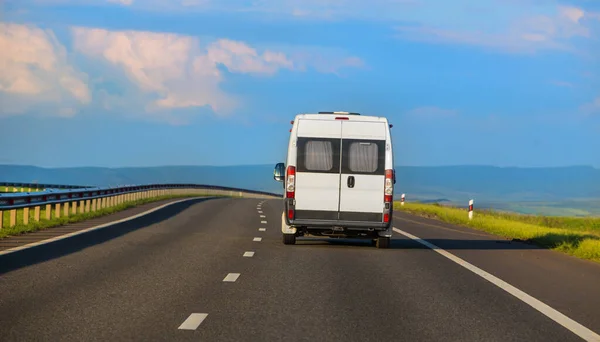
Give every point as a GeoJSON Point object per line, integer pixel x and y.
{"type": "Point", "coordinates": [161, 278]}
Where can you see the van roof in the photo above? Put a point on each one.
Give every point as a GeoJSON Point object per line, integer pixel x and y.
{"type": "Point", "coordinates": [328, 116]}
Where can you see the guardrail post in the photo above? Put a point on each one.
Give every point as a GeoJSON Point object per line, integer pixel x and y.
{"type": "Point", "coordinates": [66, 209]}
{"type": "Point", "coordinates": [25, 216]}
{"type": "Point", "coordinates": [36, 213]}
{"type": "Point", "coordinates": [87, 206]}
{"type": "Point", "coordinates": [57, 210]}
{"type": "Point", "coordinates": [13, 218]}
{"type": "Point", "coordinates": [1, 218]}
{"type": "Point", "coordinates": [94, 204]}
{"type": "Point", "coordinates": [48, 212]}
{"type": "Point", "coordinates": [74, 207]}
{"type": "Point", "coordinates": [81, 206]}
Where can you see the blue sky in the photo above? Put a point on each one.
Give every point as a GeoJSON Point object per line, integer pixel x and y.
{"type": "Point", "coordinates": [216, 82]}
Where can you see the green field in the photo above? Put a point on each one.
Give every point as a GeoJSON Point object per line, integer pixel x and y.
{"type": "Point", "coordinates": [576, 236]}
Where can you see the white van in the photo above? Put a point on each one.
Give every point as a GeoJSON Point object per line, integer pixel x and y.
{"type": "Point", "coordinates": [339, 178]}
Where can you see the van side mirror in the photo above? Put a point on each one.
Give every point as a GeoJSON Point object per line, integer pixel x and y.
{"type": "Point", "coordinates": [279, 172]}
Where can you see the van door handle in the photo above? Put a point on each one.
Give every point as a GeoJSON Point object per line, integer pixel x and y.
{"type": "Point", "coordinates": [350, 181]}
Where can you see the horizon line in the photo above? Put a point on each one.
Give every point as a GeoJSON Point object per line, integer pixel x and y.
{"type": "Point", "coordinates": [273, 164]}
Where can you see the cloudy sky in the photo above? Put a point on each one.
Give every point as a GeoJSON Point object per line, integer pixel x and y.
{"type": "Point", "coordinates": [216, 82]}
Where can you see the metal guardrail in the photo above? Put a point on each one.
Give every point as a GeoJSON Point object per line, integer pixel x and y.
{"type": "Point", "coordinates": [41, 186]}
{"type": "Point", "coordinates": [24, 199]}
{"type": "Point", "coordinates": [84, 200]}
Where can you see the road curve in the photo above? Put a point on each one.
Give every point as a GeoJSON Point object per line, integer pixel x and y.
{"type": "Point", "coordinates": [205, 270]}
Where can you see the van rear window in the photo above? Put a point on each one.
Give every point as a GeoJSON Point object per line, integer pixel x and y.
{"type": "Point", "coordinates": [318, 155]}
{"type": "Point", "coordinates": [363, 157]}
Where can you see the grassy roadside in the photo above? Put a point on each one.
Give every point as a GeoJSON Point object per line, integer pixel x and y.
{"type": "Point", "coordinates": [12, 189]}
{"type": "Point", "coordinates": [20, 228]}
{"type": "Point", "coordinates": [579, 237]}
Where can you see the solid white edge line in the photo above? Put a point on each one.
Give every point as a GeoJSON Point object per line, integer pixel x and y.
{"type": "Point", "coordinates": [262, 229]}
{"type": "Point", "coordinates": [540, 306]}
{"type": "Point", "coordinates": [193, 321]}
{"type": "Point", "coordinates": [104, 225]}
{"type": "Point", "coordinates": [248, 254]}
{"type": "Point", "coordinates": [257, 239]}
{"type": "Point", "coordinates": [231, 277]}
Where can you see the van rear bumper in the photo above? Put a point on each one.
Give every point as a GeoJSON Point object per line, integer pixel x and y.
{"type": "Point", "coordinates": [358, 225]}
{"type": "Point", "coordinates": [328, 219]}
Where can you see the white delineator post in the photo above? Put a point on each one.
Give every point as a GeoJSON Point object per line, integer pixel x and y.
{"type": "Point", "coordinates": [470, 209]}
{"type": "Point", "coordinates": [402, 199]}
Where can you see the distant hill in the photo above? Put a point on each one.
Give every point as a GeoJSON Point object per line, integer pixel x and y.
{"type": "Point", "coordinates": [449, 183]}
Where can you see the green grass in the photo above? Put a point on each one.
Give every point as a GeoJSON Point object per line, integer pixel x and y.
{"type": "Point", "coordinates": [21, 228]}
{"type": "Point", "coordinates": [576, 236]}
{"type": "Point", "coordinates": [10, 189]}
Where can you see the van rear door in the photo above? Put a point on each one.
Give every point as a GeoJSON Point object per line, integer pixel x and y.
{"type": "Point", "coordinates": [363, 171]}
{"type": "Point", "coordinates": [318, 148]}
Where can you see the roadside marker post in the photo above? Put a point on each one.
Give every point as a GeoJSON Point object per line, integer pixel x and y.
{"type": "Point", "coordinates": [470, 209]}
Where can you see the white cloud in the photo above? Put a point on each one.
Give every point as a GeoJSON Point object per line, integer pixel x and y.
{"type": "Point", "coordinates": [239, 57]}
{"type": "Point", "coordinates": [145, 73]}
{"type": "Point", "coordinates": [34, 72]}
{"type": "Point", "coordinates": [562, 84]}
{"type": "Point", "coordinates": [174, 71]}
{"type": "Point", "coordinates": [122, 2]}
{"type": "Point", "coordinates": [518, 34]}
{"type": "Point", "coordinates": [593, 107]}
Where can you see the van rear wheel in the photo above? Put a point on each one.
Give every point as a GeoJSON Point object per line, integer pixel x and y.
{"type": "Point", "coordinates": [289, 239]}
{"type": "Point", "coordinates": [383, 242]}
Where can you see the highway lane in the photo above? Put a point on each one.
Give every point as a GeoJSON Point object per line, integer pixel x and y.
{"type": "Point", "coordinates": [145, 284]}
{"type": "Point", "coordinates": [568, 284]}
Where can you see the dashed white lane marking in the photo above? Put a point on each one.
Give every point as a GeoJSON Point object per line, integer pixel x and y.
{"type": "Point", "coordinates": [248, 254]}
{"type": "Point", "coordinates": [260, 212]}
{"type": "Point", "coordinates": [193, 321]}
{"type": "Point", "coordinates": [262, 216]}
{"type": "Point", "coordinates": [263, 222]}
{"type": "Point", "coordinates": [551, 313]}
{"type": "Point", "coordinates": [257, 239]}
{"type": "Point", "coordinates": [231, 277]}
{"type": "Point", "coordinates": [262, 229]}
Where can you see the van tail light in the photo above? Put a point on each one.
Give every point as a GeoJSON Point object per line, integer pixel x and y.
{"type": "Point", "coordinates": [290, 182]}
{"type": "Point", "coordinates": [389, 186]}
{"type": "Point", "coordinates": [386, 217]}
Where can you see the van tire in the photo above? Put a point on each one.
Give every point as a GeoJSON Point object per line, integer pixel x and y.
{"type": "Point", "coordinates": [383, 242]}
{"type": "Point", "coordinates": [289, 239]}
